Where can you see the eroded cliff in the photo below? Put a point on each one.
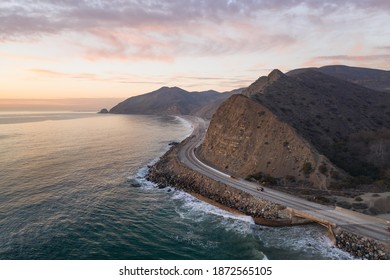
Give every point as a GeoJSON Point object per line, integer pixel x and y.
{"type": "Point", "coordinates": [304, 127]}
{"type": "Point", "coordinates": [245, 138]}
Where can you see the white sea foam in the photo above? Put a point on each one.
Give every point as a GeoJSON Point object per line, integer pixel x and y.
{"type": "Point", "coordinates": [195, 207]}
{"type": "Point", "coordinates": [143, 171]}
{"type": "Point", "coordinates": [187, 124]}
{"type": "Point", "coordinates": [140, 176]}
{"type": "Point", "coordinates": [310, 239]}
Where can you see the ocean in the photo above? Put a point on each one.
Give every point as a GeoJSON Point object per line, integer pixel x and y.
{"type": "Point", "coordinates": [72, 186]}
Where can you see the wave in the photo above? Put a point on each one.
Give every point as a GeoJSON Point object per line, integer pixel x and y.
{"type": "Point", "coordinates": [187, 124]}
{"type": "Point", "coordinates": [193, 205]}
{"type": "Point", "coordinates": [311, 239]}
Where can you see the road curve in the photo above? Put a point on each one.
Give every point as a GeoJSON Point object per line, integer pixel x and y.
{"type": "Point", "coordinates": [358, 223]}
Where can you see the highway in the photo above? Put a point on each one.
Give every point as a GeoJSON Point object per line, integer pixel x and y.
{"type": "Point", "coordinates": [358, 223]}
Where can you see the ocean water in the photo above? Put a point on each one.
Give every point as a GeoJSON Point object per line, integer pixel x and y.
{"type": "Point", "coordinates": [66, 192]}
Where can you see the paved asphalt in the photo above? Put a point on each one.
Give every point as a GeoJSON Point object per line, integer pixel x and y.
{"type": "Point", "coordinates": [365, 225]}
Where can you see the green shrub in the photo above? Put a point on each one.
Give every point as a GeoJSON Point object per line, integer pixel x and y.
{"type": "Point", "coordinates": [307, 168]}
{"type": "Point", "coordinates": [359, 206]}
{"type": "Point", "coordinates": [263, 178]}
{"type": "Point", "coordinates": [344, 204]}
{"type": "Point", "coordinates": [322, 199]}
{"type": "Point", "coordinates": [290, 178]}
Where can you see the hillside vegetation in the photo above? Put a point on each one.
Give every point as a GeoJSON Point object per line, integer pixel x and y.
{"type": "Point", "coordinates": [339, 132]}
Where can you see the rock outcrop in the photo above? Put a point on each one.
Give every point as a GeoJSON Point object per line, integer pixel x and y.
{"type": "Point", "coordinates": [361, 247]}
{"type": "Point", "coordinates": [103, 111]}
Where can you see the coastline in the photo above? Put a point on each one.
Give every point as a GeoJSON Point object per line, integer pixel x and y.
{"type": "Point", "coordinates": [170, 171]}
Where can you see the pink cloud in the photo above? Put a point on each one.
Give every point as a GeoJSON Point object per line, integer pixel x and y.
{"type": "Point", "coordinates": [125, 44]}
{"type": "Point", "coordinates": [163, 30]}
{"type": "Point", "coordinates": [48, 73]}
{"type": "Point", "coordinates": [381, 60]}
{"type": "Point", "coordinates": [32, 18]}
{"type": "Point", "coordinates": [55, 74]}
{"type": "Point", "coordinates": [165, 42]}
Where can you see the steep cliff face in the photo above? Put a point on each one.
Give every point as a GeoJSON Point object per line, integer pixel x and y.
{"type": "Point", "coordinates": [303, 126]}
{"type": "Point", "coordinates": [245, 138]}
{"type": "Point", "coordinates": [344, 121]}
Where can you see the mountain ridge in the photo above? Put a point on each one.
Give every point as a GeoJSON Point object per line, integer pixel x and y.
{"type": "Point", "coordinates": [376, 79]}
{"type": "Point", "coordinates": [172, 101]}
{"type": "Point", "coordinates": [335, 119]}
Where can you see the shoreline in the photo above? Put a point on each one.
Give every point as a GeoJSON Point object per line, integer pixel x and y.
{"type": "Point", "coordinates": [170, 171]}
{"type": "Point", "coordinates": [283, 220]}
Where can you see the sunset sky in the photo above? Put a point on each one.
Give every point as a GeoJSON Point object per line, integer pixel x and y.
{"type": "Point", "coordinates": [53, 49]}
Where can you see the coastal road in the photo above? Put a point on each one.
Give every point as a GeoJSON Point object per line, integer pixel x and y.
{"type": "Point", "coordinates": [358, 223]}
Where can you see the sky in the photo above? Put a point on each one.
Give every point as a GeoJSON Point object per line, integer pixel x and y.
{"type": "Point", "coordinates": [55, 49]}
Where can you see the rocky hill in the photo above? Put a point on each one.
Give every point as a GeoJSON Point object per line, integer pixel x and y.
{"type": "Point", "coordinates": [247, 139]}
{"type": "Point", "coordinates": [209, 109]}
{"type": "Point", "coordinates": [172, 101]}
{"type": "Point", "coordinates": [372, 78]}
{"type": "Point", "coordinates": [307, 126]}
